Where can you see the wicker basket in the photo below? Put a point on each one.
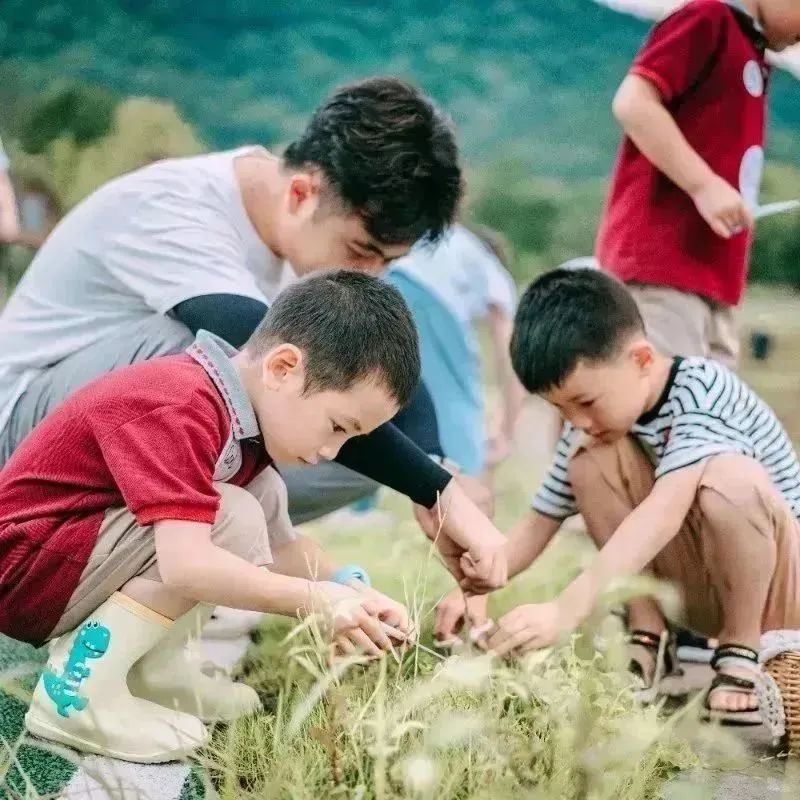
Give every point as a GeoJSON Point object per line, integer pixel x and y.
{"type": "Point", "coordinates": [785, 669]}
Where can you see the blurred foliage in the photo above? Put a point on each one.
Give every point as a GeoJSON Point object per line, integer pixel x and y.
{"type": "Point", "coordinates": [67, 108]}
{"type": "Point", "coordinates": [548, 221]}
{"type": "Point", "coordinates": [776, 254]}
{"type": "Point", "coordinates": [525, 80]}
{"type": "Point", "coordinates": [141, 130]}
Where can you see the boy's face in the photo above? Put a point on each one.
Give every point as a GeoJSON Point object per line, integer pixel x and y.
{"type": "Point", "coordinates": [781, 21]}
{"type": "Point", "coordinates": [302, 428]}
{"type": "Point", "coordinates": [604, 399]}
{"type": "Point", "coordinates": [313, 232]}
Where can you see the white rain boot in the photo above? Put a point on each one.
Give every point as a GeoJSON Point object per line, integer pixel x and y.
{"type": "Point", "coordinates": [82, 698]}
{"type": "Point", "coordinates": [171, 675]}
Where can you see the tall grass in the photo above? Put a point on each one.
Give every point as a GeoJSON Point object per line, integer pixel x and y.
{"type": "Point", "coordinates": [560, 723]}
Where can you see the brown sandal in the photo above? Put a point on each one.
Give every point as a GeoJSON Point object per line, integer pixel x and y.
{"type": "Point", "coordinates": [662, 649]}
{"type": "Point", "coordinates": [739, 656]}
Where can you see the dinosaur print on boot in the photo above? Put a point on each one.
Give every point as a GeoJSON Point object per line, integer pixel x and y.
{"type": "Point", "coordinates": [91, 642]}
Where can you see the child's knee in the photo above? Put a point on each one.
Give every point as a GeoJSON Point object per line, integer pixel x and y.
{"type": "Point", "coordinates": [733, 489]}
{"type": "Point", "coordinates": [241, 527]}
{"type": "Point", "coordinates": [580, 470]}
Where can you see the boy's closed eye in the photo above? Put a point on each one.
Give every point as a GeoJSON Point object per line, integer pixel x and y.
{"type": "Point", "coordinates": [337, 428]}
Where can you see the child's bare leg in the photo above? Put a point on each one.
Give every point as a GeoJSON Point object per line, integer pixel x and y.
{"type": "Point", "coordinates": [752, 556]}
{"type": "Point", "coordinates": [157, 597]}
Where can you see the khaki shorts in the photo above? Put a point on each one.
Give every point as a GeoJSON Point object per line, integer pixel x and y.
{"type": "Point", "coordinates": [613, 479]}
{"type": "Point", "coordinates": [683, 324]}
{"type": "Point", "coordinates": [250, 522]}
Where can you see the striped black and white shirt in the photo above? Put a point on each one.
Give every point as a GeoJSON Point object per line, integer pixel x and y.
{"type": "Point", "coordinates": [704, 411]}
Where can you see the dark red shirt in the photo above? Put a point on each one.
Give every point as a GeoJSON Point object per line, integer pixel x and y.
{"type": "Point", "coordinates": [707, 61]}
{"type": "Point", "coordinates": [150, 437]}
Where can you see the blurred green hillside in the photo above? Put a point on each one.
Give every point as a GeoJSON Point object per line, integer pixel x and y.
{"type": "Point", "coordinates": [528, 83]}
{"type": "Point", "coordinates": [525, 80]}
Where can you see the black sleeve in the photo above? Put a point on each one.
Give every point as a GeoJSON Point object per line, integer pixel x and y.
{"type": "Point", "coordinates": [229, 316]}
{"type": "Point", "coordinates": [387, 455]}
{"type": "Point", "coordinates": [418, 421]}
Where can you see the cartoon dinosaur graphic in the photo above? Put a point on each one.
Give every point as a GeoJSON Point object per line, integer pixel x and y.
{"type": "Point", "coordinates": [91, 642]}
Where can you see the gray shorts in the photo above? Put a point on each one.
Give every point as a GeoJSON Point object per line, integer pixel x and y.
{"type": "Point", "coordinates": [313, 491]}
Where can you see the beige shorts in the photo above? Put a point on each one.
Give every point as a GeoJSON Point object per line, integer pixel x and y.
{"type": "Point", "coordinates": [683, 324]}
{"type": "Point", "coordinates": [250, 522]}
{"type": "Point", "coordinates": [616, 478]}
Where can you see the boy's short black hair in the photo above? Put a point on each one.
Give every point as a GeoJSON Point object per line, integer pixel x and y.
{"type": "Point", "coordinates": [350, 327]}
{"type": "Point", "coordinates": [389, 155]}
{"type": "Point", "coordinates": [567, 316]}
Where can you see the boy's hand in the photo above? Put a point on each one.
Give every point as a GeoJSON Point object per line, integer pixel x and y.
{"type": "Point", "coordinates": [722, 207]}
{"type": "Point", "coordinates": [455, 610]}
{"type": "Point", "coordinates": [527, 627]}
{"type": "Point", "coordinates": [387, 610]}
{"type": "Point", "coordinates": [353, 619]}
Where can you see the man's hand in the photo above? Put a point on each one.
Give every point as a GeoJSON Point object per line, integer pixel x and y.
{"type": "Point", "coordinates": [456, 610]}
{"type": "Point", "coordinates": [527, 627]}
{"type": "Point", "coordinates": [466, 540]}
{"type": "Point", "coordinates": [722, 207]}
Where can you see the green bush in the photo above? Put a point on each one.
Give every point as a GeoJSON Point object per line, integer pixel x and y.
{"type": "Point", "coordinates": [67, 109]}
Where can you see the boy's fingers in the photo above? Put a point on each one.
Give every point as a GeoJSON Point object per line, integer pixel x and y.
{"type": "Point", "coordinates": [363, 644]}
{"type": "Point", "coordinates": [510, 643]}
{"type": "Point", "coordinates": [373, 628]}
{"type": "Point", "coordinates": [344, 645]}
{"type": "Point", "coordinates": [719, 227]}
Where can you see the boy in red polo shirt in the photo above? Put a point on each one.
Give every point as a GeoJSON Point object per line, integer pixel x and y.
{"type": "Point", "coordinates": [678, 217]}
{"type": "Point", "coordinates": [151, 494]}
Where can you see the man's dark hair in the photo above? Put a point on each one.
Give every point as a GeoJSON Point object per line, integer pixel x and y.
{"type": "Point", "coordinates": [567, 316]}
{"type": "Point", "coordinates": [350, 327]}
{"type": "Point", "coordinates": [389, 155]}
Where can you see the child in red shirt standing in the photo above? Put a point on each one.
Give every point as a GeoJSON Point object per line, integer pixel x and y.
{"type": "Point", "coordinates": [677, 226]}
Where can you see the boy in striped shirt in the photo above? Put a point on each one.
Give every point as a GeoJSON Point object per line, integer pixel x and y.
{"type": "Point", "coordinates": [677, 467]}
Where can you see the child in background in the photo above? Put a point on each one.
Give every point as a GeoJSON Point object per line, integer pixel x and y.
{"type": "Point", "coordinates": [151, 495]}
{"type": "Point", "coordinates": [679, 213]}
{"type": "Point", "coordinates": [451, 289]}
{"type": "Point", "coordinates": [676, 466]}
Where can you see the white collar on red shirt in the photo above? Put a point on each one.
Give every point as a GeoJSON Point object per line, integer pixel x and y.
{"type": "Point", "coordinates": [214, 356]}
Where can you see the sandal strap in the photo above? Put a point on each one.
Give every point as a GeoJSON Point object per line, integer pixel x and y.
{"type": "Point", "coordinates": [738, 651]}
{"type": "Point", "coordinates": [647, 639]}
{"type": "Point", "coordinates": [731, 682]}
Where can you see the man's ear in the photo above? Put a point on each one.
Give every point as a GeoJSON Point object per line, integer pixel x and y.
{"type": "Point", "coordinates": [282, 364]}
{"type": "Point", "coordinates": [303, 189]}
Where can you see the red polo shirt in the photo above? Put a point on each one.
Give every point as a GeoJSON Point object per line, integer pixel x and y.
{"type": "Point", "coordinates": [149, 437]}
{"type": "Point", "coordinates": [707, 61]}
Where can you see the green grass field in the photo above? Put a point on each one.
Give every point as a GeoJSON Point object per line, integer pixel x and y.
{"type": "Point", "coordinates": [560, 724]}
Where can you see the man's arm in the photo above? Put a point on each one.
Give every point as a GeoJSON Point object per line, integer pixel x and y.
{"type": "Point", "coordinates": [639, 109]}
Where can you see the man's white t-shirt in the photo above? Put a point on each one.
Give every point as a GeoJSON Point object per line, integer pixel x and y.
{"type": "Point", "coordinates": [139, 245]}
{"type": "Point", "coordinates": [463, 273]}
